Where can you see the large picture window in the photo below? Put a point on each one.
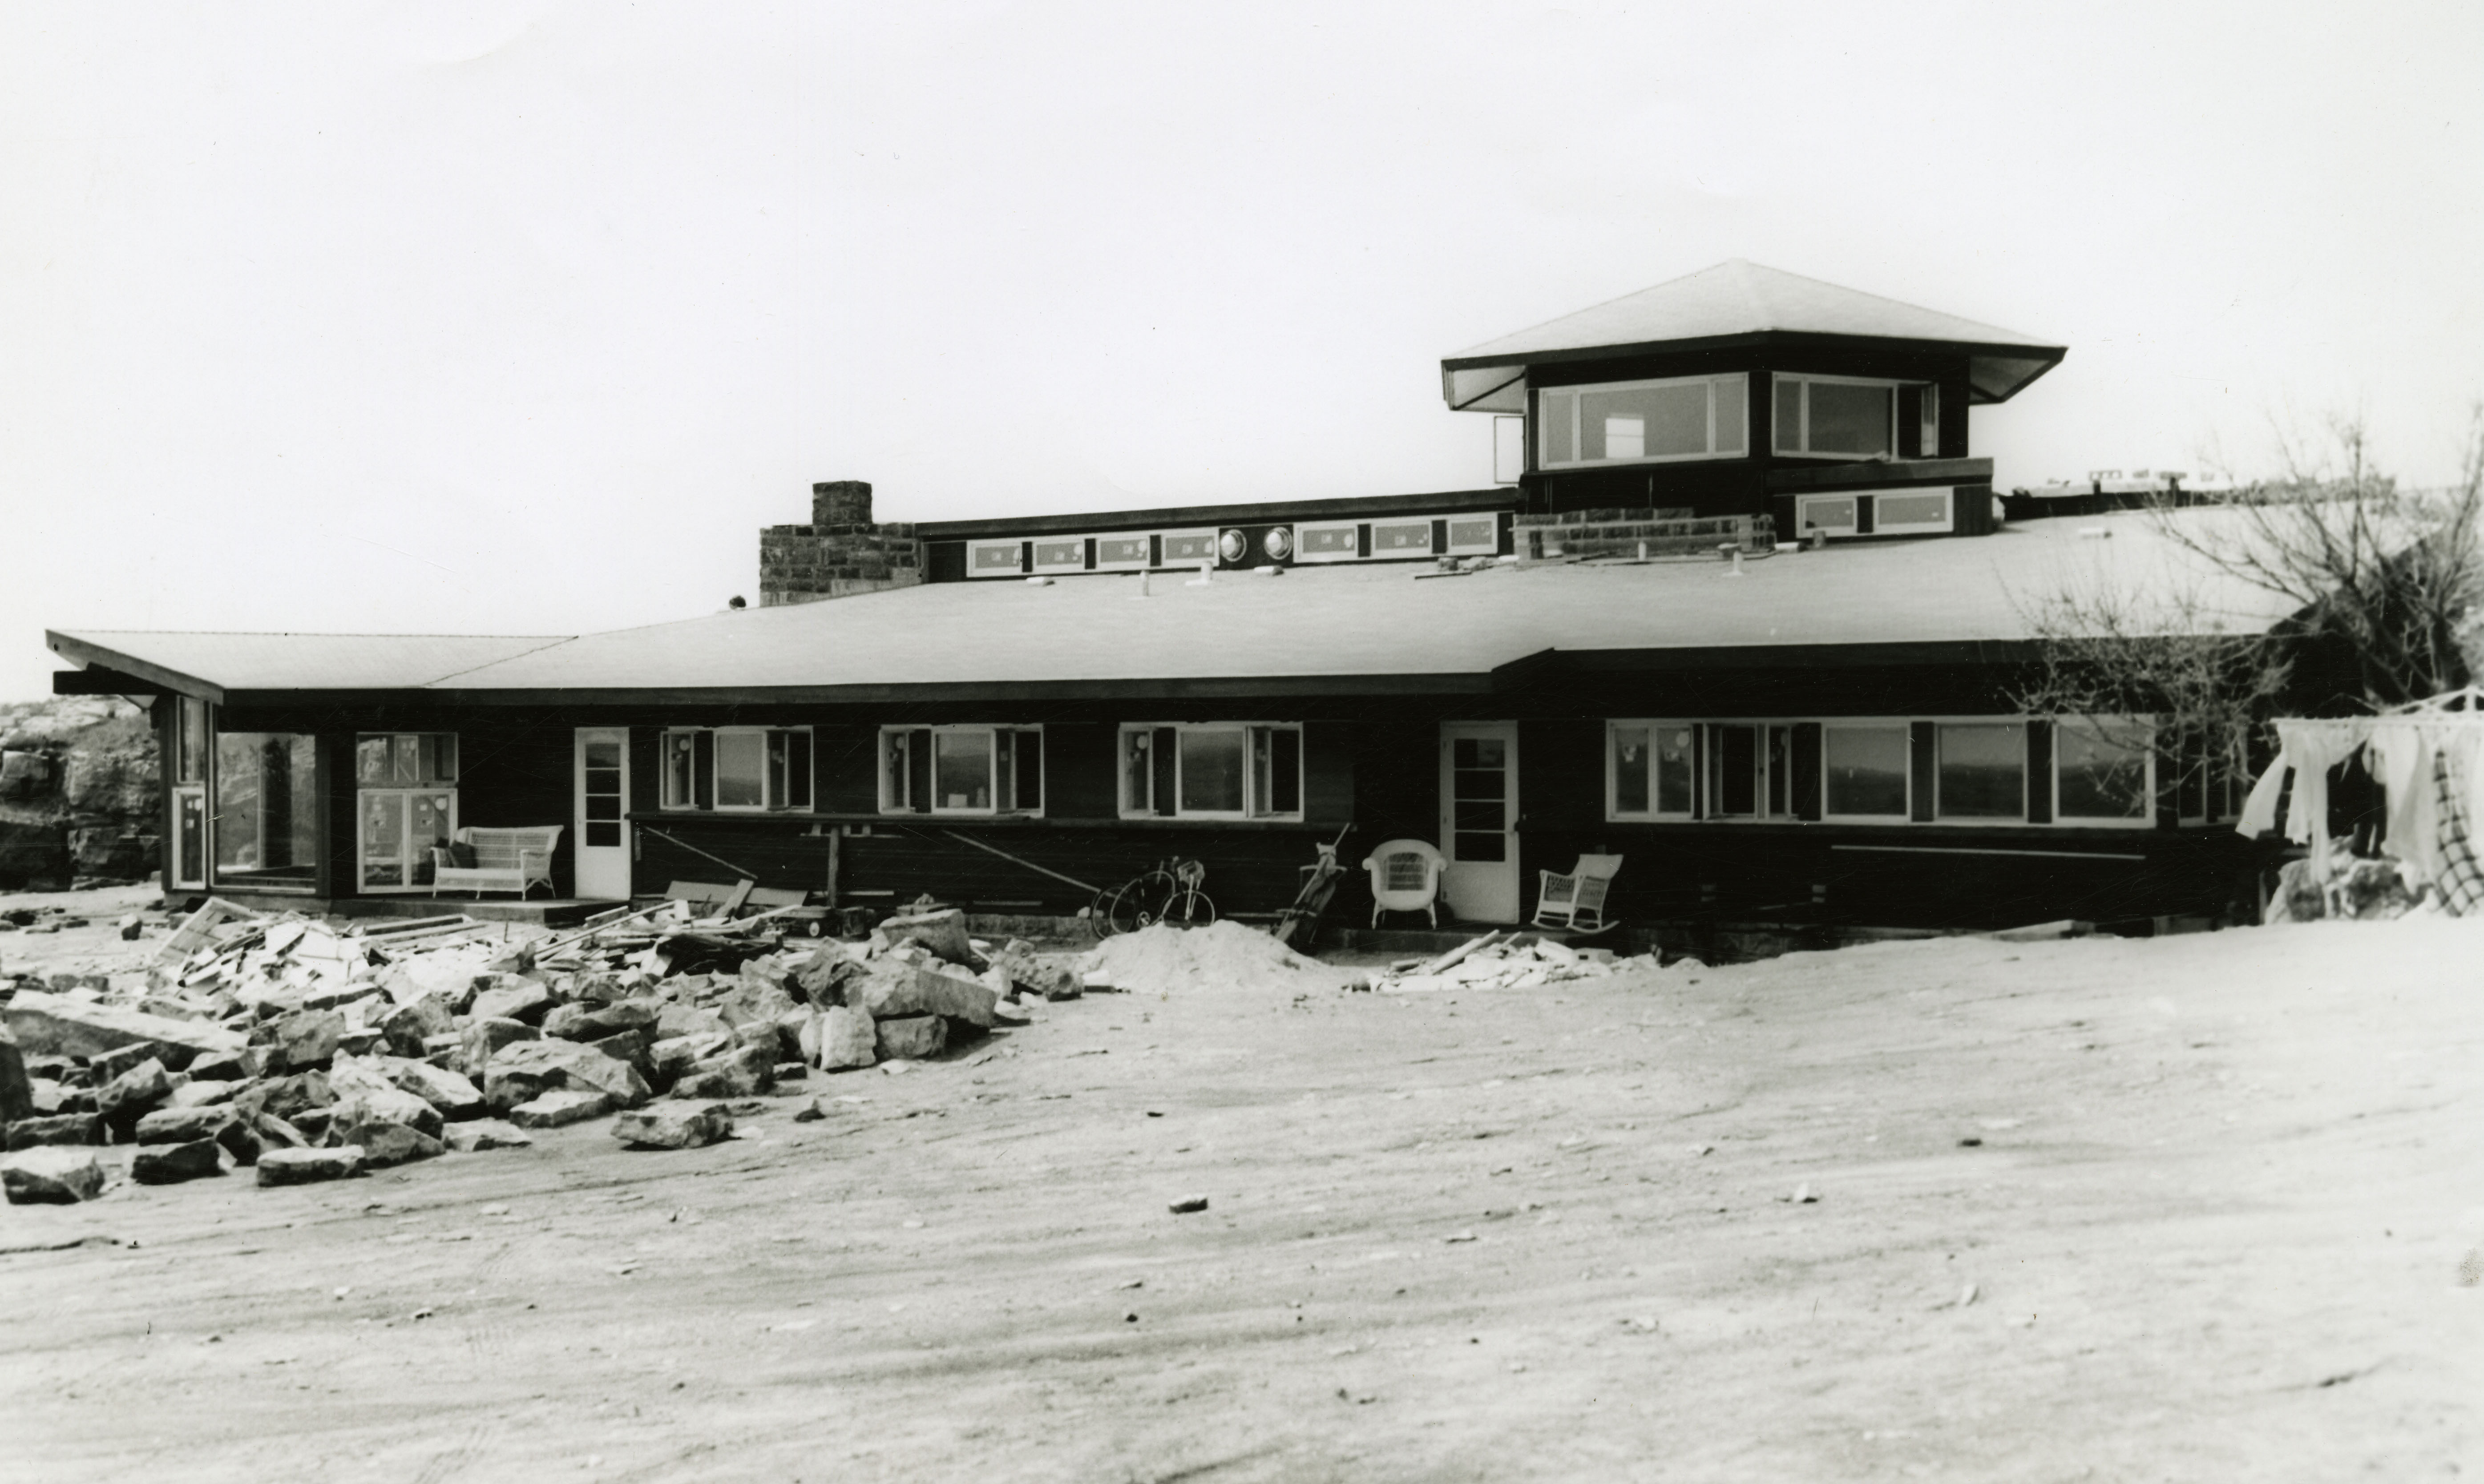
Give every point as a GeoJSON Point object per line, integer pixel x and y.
{"type": "Point", "coordinates": [2104, 770]}
{"type": "Point", "coordinates": [1980, 771]}
{"type": "Point", "coordinates": [268, 811]}
{"type": "Point", "coordinates": [1212, 771]}
{"type": "Point", "coordinates": [736, 769]}
{"type": "Point", "coordinates": [961, 770]}
{"type": "Point", "coordinates": [1643, 421]}
{"type": "Point", "coordinates": [1866, 772]}
{"type": "Point", "coordinates": [1835, 418]}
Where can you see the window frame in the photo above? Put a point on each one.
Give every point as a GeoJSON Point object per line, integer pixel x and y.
{"type": "Point", "coordinates": [1805, 380]}
{"type": "Point", "coordinates": [1251, 811]}
{"type": "Point", "coordinates": [2228, 772]}
{"type": "Point", "coordinates": [1904, 726]}
{"type": "Point", "coordinates": [1652, 725]}
{"type": "Point", "coordinates": [1712, 381]}
{"type": "Point", "coordinates": [768, 790]}
{"type": "Point", "coordinates": [2145, 817]}
{"type": "Point", "coordinates": [2026, 782]}
{"type": "Point", "coordinates": [899, 801]}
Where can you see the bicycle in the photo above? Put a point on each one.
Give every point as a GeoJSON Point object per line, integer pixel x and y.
{"type": "Point", "coordinates": [1165, 893]}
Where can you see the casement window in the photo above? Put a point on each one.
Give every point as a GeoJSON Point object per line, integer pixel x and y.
{"type": "Point", "coordinates": [961, 770]}
{"type": "Point", "coordinates": [1980, 771]}
{"type": "Point", "coordinates": [2104, 770]}
{"type": "Point", "coordinates": [1648, 769]}
{"type": "Point", "coordinates": [1836, 418]}
{"type": "Point", "coordinates": [1643, 421]}
{"type": "Point", "coordinates": [1750, 770]}
{"type": "Point", "coordinates": [1212, 771]}
{"type": "Point", "coordinates": [1867, 772]}
{"type": "Point", "coordinates": [737, 769]}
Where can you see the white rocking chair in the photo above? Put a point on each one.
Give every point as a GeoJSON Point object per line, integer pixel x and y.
{"type": "Point", "coordinates": [1575, 901]}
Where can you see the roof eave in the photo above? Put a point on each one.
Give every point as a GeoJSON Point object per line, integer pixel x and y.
{"type": "Point", "coordinates": [2044, 358]}
{"type": "Point", "coordinates": [83, 653]}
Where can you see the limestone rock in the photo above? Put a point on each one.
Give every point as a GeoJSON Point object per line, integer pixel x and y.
{"type": "Point", "coordinates": [513, 998]}
{"type": "Point", "coordinates": [57, 1128]}
{"type": "Point", "coordinates": [824, 980]}
{"type": "Point", "coordinates": [943, 933]}
{"type": "Point", "coordinates": [1035, 976]}
{"type": "Point", "coordinates": [16, 1086]}
{"type": "Point", "coordinates": [486, 1036]}
{"type": "Point", "coordinates": [409, 1026]}
{"type": "Point", "coordinates": [51, 1175]}
{"type": "Point", "coordinates": [55, 1025]}
{"type": "Point", "coordinates": [183, 1126]}
{"type": "Point", "coordinates": [846, 1040]}
{"type": "Point", "coordinates": [396, 1144]}
{"type": "Point", "coordinates": [485, 1134]}
{"type": "Point", "coordinates": [169, 1164]}
{"type": "Point", "coordinates": [678, 1021]}
{"type": "Point", "coordinates": [561, 1106]}
{"type": "Point", "coordinates": [742, 1072]}
{"type": "Point", "coordinates": [355, 1116]}
{"type": "Point", "coordinates": [195, 1094]}
{"type": "Point", "coordinates": [304, 1167]}
{"type": "Point", "coordinates": [911, 1037]}
{"type": "Point", "coordinates": [305, 1040]}
{"type": "Point", "coordinates": [455, 1097]}
{"type": "Point", "coordinates": [673, 1125]}
{"type": "Point", "coordinates": [895, 991]}
{"type": "Point", "coordinates": [126, 1098]}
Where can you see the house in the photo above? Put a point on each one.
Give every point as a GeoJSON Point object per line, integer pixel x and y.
{"type": "Point", "coordinates": [1750, 615]}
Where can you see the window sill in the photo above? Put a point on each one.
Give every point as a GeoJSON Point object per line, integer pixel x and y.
{"type": "Point", "coordinates": [994, 821]}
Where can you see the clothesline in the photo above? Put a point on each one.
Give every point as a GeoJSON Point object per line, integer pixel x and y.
{"type": "Point", "coordinates": [2428, 757]}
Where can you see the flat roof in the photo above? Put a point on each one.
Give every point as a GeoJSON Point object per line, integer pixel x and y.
{"type": "Point", "coordinates": [1341, 630]}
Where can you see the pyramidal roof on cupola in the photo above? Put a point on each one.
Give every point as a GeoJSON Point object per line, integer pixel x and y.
{"type": "Point", "coordinates": [1742, 301]}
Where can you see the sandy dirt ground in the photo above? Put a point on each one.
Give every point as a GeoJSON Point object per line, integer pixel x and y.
{"type": "Point", "coordinates": [2214, 1226]}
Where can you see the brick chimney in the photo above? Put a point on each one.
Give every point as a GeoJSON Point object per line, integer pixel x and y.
{"type": "Point", "coordinates": [840, 553]}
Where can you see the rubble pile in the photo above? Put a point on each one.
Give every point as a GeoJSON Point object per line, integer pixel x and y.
{"type": "Point", "coordinates": [1496, 961]}
{"type": "Point", "coordinates": [1223, 958]}
{"type": "Point", "coordinates": [307, 1052]}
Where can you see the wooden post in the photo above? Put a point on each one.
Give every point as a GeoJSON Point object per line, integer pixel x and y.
{"type": "Point", "coordinates": [835, 832]}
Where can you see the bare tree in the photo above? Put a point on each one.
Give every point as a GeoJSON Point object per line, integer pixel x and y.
{"type": "Point", "coordinates": [2383, 589]}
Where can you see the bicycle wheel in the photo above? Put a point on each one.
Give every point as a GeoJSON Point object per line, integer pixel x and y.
{"type": "Point", "coordinates": [1190, 909]}
{"type": "Point", "coordinates": [1099, 912]}
{"type": "Point", "coordinates": [1142, 901]}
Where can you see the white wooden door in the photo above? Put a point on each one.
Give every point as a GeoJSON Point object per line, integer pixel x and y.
{"type": "Point", "coordinates": [1479, 819]}
{"type": "Point", "coordinates": [601, 833]}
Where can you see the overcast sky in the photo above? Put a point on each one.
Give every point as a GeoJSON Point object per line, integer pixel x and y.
{"type": "Point", "coordinates": [525, 318]}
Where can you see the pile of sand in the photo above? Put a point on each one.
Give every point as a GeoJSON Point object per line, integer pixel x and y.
{"type": "Point", "coordinates": [1221, 957]}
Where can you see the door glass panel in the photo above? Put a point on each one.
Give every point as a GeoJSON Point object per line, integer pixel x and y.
{"type": "Point", "coordinates": [429, 815]}
{"type": "Point", "coordinates": [383, 840]}
{"type": "Point", "coordinates": [190, 848]}
{"type": "Point", "coordinates": [1780, 770]}
{"type": "Point", "coordinates": [1479, 798]}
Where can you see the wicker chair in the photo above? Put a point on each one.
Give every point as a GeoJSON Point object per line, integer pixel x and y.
{"type": "Point", "coordinates": [1577, 899]}
{"type": "Point", "coordinates": [1405, 877]}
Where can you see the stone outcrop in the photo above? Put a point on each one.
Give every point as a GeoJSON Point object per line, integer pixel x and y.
{"type": "Point", "coordinates": [78, 792]}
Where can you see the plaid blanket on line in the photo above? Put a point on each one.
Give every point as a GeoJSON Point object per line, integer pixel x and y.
{"type": "Point", "coordinates": [2461, 880]}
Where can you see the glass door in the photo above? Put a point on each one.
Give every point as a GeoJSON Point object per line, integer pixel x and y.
{"type": "Point", "coordinates": [405, 807]}
{"type": "Point", "coordinates": [1479, 819]}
